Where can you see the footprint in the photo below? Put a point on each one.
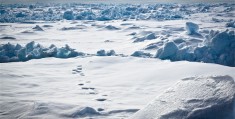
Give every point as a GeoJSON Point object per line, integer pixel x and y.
{"type": "Point", "coordinates": [85, 88]}
{"type": "Point", "coordinates": [82, 74]}
{"type": "Point", "coordinates": [101, 99]}
{"type": "Point", "coordinates": [78, 70]}
{"type": "Point", "coordinates": [93, 93]}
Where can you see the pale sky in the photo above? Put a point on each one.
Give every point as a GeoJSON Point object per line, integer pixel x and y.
{"type": "Point", "coordinates": [116, 1]}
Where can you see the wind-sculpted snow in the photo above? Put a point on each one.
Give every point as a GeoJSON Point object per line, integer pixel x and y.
{"type": "Point", "coordinates": [101, 12]}
{"type": "Point", "coordinates": [32, 50]}
{"type": "Point", "coordinates": [218, 47]}
{"type": "Point", "coordinates": [193, 98]}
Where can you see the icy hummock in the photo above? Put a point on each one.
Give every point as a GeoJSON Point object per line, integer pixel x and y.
{"type": "Point", "coordinates": [141, 54]}
{"type": "Point", "coordinates": [101, 12]}
{"type": "Point", "coordinates": [191, 28]}
{"type": "Point", "coordinates": [37, 28]}
{"type": "Point", "coordinates": [105, 53]}
{"type": "Point", "coordinates": [32, 50]}
{"type": "Point", "coordinates": [218, 47]}
{"type": "Point", "coordinates": [193, 98]}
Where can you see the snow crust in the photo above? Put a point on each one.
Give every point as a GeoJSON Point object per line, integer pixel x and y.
{"type": "Point", "coordinates": [193, 98]}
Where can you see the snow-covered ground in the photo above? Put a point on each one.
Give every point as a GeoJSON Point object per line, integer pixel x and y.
{"type": "Point", "coordinates": [110, 66]}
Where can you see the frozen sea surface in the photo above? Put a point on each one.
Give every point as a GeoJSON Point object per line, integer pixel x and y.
{"type": "Point", "coordinates": [110, 60]}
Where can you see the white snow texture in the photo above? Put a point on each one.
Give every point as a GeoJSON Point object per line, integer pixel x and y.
{"type": "Point", "coordinates": [193, 98]}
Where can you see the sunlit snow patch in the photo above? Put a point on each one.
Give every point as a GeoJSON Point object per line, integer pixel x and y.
{"type": "Point", "coordinates": [193, 98]}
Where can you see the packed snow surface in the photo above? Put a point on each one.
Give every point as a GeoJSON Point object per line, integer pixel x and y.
{"type": "Point", "coordinates": [65, 88]}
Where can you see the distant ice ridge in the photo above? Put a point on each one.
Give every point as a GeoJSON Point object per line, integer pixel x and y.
{"type": "Point", "coordinates": [194, 98]}
{"type": "Point", "coordinates": [218, 47]}
{"type": "Point", "coordinates": [32, 50]}
{"type": "Point", "coordinates": [101, 12]}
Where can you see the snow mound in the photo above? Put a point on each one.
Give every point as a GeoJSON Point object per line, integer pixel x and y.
{"type": "Point", "coordinates": [32, 50]}
{"type": "Point", "coordinates": [150, 36]}
{"type": "Point", "coordinates": [110, 27]}
{"type": "Point", "coordinates": [193, 98]}
{"type": "Point", "coordinates": [38, 109]}
{"type": "Point", "coordinates": [191, 28]}
{"type": "Point", "coordinates": [82, 112]}
{"type": "Point", "coordinates": [218, 47]}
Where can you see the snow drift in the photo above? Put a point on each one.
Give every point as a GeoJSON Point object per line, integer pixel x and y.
{"type": "Point", "coordinates": [193, 98]}
{"type": "Point", "coordinates": [32, 50]}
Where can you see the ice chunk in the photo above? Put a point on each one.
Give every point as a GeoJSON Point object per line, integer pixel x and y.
{"type": "Point", "coordinates": [66, 52]}
{"type": "Point", "coordinates": [82, 112]}
{"type": "Point", "coordinates": [4, 59]}
{"type": "Point", "coordinates": [68, 15]}
{"type": "Point", "coordinates": [111, 53]}
{"type": "Point", "coordinates": [32, 50]}
{"type": "Point", "coordinates": [191, 28]}
{"type": "Point", "coordinates": [220, 42]}
{"type": "Point", "coordinates": [104, 53]}
{"type": "Point", "coordinates": [231, 24]}
{"type": "Point", "coordinates": [218, 47]}
{"type": "Point", "coordinates": [168, 51]}
{"type": "Point", "coordinates": [141, 54]}
{"type": "Point", "coordinates": [193, 98]}
{"type": "Point", "coordinates": [38, 28]}
{"type": "Point", "coordinates": [101, 53]}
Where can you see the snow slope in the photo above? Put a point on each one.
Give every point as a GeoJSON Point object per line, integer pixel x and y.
{"type": "Point", "coordinates": [194, 98]}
